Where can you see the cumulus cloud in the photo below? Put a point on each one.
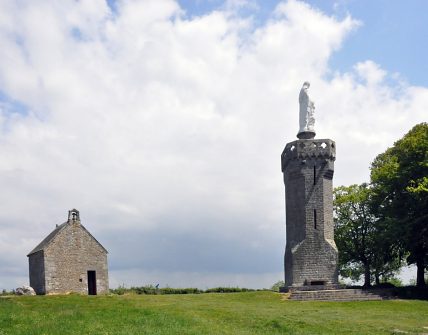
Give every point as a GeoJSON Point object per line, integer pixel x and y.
{"type": "Point", "coordinates": [166, 130]}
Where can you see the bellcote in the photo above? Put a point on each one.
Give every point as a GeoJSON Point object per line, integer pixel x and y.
{"type": "Point", "coordinates": [73, 215]}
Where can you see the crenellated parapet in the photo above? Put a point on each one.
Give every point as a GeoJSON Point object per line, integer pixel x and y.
{"type": "Point", "coordinates": [307, 149]}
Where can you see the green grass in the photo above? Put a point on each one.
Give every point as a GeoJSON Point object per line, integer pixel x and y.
{"type": "Point", "coordinates": [232, 313]}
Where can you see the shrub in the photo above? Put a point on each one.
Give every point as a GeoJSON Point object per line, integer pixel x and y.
{"type": "Point", "coordinates": [275, 287]}
{"type": "Point", "coordinates": [121, 290]}
{"type": "Point", "coordinates": [227, 290]}
{"type": "Point", "coordinates": [5, 292]}
{"type": "Point", "coordinates": [189, 290]}
{"type": "Point", "coordinates": [150, 289]}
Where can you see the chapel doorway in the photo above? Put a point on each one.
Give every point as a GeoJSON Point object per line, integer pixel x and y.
{"type": "Point", "coordinates": [92, 283]}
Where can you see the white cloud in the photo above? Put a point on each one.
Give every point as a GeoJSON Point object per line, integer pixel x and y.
{"type": "Point", "coordinates": [171, 128]}
{"type": "Point", "coordinates": [370, 72]}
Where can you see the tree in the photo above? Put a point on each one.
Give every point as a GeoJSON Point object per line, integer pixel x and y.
{"type": "Point", "coordinates": [400, 185]}
{"type": "Point", "coordinates": [363, 243]}
{"type": "Point", "coordinates": [388, 256]}
{"type": "Point", "coordinates": [277, 286]}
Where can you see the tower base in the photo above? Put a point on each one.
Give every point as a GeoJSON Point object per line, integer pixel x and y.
{"type": "Point", "coordinates": [341, 295]}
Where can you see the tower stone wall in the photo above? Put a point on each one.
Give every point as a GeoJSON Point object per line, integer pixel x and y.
{"type": "Point", "coordinates": [310, 253]}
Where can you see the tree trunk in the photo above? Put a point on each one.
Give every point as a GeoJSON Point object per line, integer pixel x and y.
{"type": "Point", "coordinates": [366, 275]}
{"type": "Point", "coordinates": [420, 277]}
{"type": "Point", "coordinates": [377, 277]}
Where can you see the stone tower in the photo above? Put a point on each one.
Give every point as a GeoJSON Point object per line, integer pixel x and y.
{"type": "Point", "coordinates": [308, 166]}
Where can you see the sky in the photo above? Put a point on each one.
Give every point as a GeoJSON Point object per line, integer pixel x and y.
{"type": "Point", "coordinates": [163, 123]}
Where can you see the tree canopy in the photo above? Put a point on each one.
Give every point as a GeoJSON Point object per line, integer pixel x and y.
{"type": "Point", "coordinates": [361, 238]}
{"type": "Point", "coordinates": [399, 177]}
{"type": "Point", "coordinates": [379, 224]}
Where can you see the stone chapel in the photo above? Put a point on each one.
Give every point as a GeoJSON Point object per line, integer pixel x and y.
{"type": "Point", "coordinates": [69, 259]}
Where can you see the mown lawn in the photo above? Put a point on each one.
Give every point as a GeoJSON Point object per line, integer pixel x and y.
{"type": "Point", "coordinates": [231, 313]}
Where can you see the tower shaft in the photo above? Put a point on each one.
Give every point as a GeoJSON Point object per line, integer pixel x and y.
{"type": "Point", "coordinates": [310, 253]}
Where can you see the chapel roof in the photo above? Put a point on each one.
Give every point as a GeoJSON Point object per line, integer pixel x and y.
{"type": "Point", "coordinates": [48, 239]}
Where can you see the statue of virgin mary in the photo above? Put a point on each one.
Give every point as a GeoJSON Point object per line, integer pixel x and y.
{"type": "Point", "coordinates": [307, 109]}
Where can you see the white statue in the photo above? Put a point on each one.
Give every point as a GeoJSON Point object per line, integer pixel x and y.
{"type": "Point", "coordinates": [307, 108]}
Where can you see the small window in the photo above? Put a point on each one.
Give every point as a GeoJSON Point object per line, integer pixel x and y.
{"type": "Point", "coordinates": [317, 282]}
{"type": "Point", "coordinates": [315, 174]}
{"type": "Point", "coordinates": [315, 218]}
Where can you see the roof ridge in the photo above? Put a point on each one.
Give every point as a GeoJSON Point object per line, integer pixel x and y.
{"type": "Point", "coordinates": [48, 239]}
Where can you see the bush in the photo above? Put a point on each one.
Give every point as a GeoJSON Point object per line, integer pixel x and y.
{"type": "Point", "coordinates": [384, 285]}
{"type": "Point", "coordinates": [275, 287]}
{"type": "Point", "coordinates": [5, 292]}
{"type": "Point", "coordinates": [395, 281]}
{"type": "Point", "coordinates": [121, 290]}
{"type": "Point", "coordinates": [227, 290]}
{"type": "Point", "coordinates": [190, 290]}
{"type": "Point", "coordinates": [150, 289]}
{"type": "Point", "coordinates": [411, 292]}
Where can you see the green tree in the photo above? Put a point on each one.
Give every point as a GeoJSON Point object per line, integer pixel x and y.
{"type": "Point", "coordinates": [360, 237]}
{"type": "Point", "coordinates": [388, 256]}
{"type": "Point", "coordinates": [277, 286]}
{"type": "Point", "coordinates": [400, 182]}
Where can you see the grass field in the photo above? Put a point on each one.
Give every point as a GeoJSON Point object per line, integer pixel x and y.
{"type": "Point", "coordinates": [232, 313]}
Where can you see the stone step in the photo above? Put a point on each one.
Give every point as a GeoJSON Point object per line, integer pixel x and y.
{"type": "Point", "coordinates": [336, 295]}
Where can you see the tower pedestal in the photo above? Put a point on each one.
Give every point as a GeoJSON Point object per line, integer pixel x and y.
{"type": "Point", "coordinates": [311, 253]}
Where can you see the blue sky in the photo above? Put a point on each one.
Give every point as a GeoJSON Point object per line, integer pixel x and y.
{"type": "Point", "coordinates": [165, 129]}
{"type": "Point", "coordinates": [393, 33]}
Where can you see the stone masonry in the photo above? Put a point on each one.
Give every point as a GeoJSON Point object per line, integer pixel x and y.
{"type": "Point", "coordinates": [69, 259]}
{"type": "Point", "coordinates": [310, 254]}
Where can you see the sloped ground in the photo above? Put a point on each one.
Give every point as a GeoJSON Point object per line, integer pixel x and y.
{"type": "Point", "coordinates": [231, 313]}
